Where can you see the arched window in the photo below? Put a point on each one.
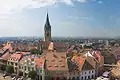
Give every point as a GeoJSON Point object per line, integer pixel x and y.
{"type": "Point", "coordinates": [85, 77]}
{"type": "Point", "coordinates": [88, 77]}
{"type": "Point", "coordinates": [57, 78]}
{"type": "Point", "coordinates": [73, 78]}
{"type": "Point", "coordinates": [81, 78]}
{"type": "Point", "coordinates": [92, 76]}
{"type": "Point", "coordinates": [78, 78]}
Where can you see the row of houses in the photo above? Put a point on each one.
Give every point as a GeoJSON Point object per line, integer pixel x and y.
{"type": "Point", "coordinates": [53, 64]}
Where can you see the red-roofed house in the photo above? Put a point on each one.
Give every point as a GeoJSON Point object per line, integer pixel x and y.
{"type": "Point", "coordinates": [40, 67]}
{"type": "Point", "coordinates": [86, 67]}
{"type": "Point", "coordinates": [56, 65]}
{"type": "Point", "coordinates": [28, 63]}
{"type": "Point", "coordinates": [13, 61]}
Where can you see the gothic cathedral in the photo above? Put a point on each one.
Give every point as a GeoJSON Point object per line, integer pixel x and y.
{"type": "Point", "coordinates": [47, 30]}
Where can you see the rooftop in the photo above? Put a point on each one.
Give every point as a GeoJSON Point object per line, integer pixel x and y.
{"type": "Point", "coordinates": [15, 57]}
{"type": "Point", "coordinates": [56, 61]}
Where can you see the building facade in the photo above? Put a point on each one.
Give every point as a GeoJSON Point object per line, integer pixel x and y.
{"type": "Point", "coordinates": [13, 61]}
{"type": "Point", "coordinates": [28, 63]}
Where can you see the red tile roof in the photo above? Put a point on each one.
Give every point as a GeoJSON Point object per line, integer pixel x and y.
{"type": "Point", "coordinates": [39, 62]}
{"type": "Point", "coordinates": [15, 57]}
{"type": "Point", "coordinates": [25, 58]}
{"type": "Point", "coordinates": [25, 53]}
{"type": "Point", "coordinates": [79, 60]}
{"type": "Point", "coordinates": [61, 47]}
{"type": "Point", "coordinates": [56, 61]}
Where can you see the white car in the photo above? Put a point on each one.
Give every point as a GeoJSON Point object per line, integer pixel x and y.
{"type": "Point", "coordinates": [13, 78]}
{"type": "Point", "coordinates": [19, 79]}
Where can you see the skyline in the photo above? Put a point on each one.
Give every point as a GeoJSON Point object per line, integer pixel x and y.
{"type": "Point", "coordinates": [76, 18]}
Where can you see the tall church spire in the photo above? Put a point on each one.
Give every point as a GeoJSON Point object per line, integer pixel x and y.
{"type": "Point", "coordinates": [47, 30]}
{"type": "Point", "coordinates": [47, 20]}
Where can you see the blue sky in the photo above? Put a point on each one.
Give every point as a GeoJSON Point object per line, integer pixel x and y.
{"type": "Point", "coordinates": [74, 18]}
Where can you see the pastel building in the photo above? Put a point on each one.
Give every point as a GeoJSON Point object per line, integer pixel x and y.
{"type": "Point", "coordinates": [32, 63]}
{"type": "Point", "coordinates": [14, 60]}
{"type": "Point", "coordinates": [56, 66]}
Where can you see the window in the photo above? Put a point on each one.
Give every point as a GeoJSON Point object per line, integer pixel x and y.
{"type": "Point", "coordinates": [92, 76]}
{"type": "Point", "coordinates": [28, 68]}
{"type": "Point", "coordinates": [49, 66]}
{"type": "Point", "coordinates": [60, 60]}
{"type": "Point", "coordinates": [82, 73]}
{"type": "Point", "coordinates": [56, 66]}
{"type": "Point", "coordinates": [81, 78]}
{"type": "Point", "coordinates": [32, 69]}
{"type": "Point", "coordinates": [92, 71]}
{"type": "Point", "coordinates": [89, 71]}
{"type": "Point", "coordinates": [25, 68]}
{"type": "Point", "coordinates": [85, 77]}
{"type": "Point", "coordinates": [40, 71]}
{"type": "Point", "coordinates": [62, 66]}
{"type": "Point", "coordinates": [53, 60]}
{"type": "Point", "coordinates": [19, 67]}
{"type": "Point", "coordinates": [15, 64]}
{"type": "Point", "coordinates": [11, 63]}
{"type": "Point", "coordinates": [8, 63]}
{"type": "Point", "coordinates": [88, 77]}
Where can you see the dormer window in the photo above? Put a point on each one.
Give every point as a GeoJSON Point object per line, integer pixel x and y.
{"type": "Point", "coordinates": [62, 57]}
{"type": "Point", "coordinates": [60, 60]}
{"type": "Point", "coordinates": [56, 65]}
{"type": "Point", "coordinates": [53, 60]}
{"type": "Point", "coordinates": [49, 66]}
{"type": "Point", "coordinates": [62, 65]}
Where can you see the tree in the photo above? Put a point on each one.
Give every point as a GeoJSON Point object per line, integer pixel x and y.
{"type": "Point", "coordinates": [48, 78]}
{"type": "Point", "coordinates": [36, 51]}
{"type": "Point", "coordinates": [3, 67]}
{"type": "Point", "coordinates": [10, 69]}
{"type": "Point", "coordinates": [87, 47]}
{"type": "Point", "coordinates": [32, 75]}
{"type": "Point", "coordinates": [1, 46]}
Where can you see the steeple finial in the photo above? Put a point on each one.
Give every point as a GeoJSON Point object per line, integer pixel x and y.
{"type": "Point", "coordinates": [47, 19]}
{"type": "Point", "coordinates": [47, 10]}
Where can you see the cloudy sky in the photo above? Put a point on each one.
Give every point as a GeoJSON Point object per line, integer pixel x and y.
{"type": "Point", "coordinates": [83, 18]}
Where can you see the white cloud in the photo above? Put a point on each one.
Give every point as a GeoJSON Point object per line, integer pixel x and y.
{"type": "Point", "coordinates": [10, 6]}
{"type": "Point", "coordinates": [81, 18]}
{"type": "Point", "coordinates": [100, 2]}
{"type": "Point", "coordinates": [82, 0]}
{"type": "Point", "coordinates": [69, 2]}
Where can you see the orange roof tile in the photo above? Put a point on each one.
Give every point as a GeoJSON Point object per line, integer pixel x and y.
{"type": "Point", "coordinates": [39, 62]}
{"type": "Point", "coordinates": [25, 53]}
{"type": "Point", "coordinates": [79, 60]}
{"type": "Point", "coordinates": [56, 61]}
{"type": "Point", "coordinates": [25, 58]}
{"type": "Point", "coordinates": [15, 57]}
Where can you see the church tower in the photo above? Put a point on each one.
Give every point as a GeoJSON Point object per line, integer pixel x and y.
{"type": "Point", "coordinates": [47, 30]}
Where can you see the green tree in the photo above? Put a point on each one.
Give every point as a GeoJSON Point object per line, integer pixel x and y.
{"type": "Point", "coordinates": [1, 46]}
{"type": "Point", "coordinates": [86, 46]}
{"type": "Point", "coordinates": [36, 51]}
{"type": "Point", "coordinates": [48, 78]}
{"type": "Point", "coordinates": [32, 75]}
{"type": "Point", "coordinates": [3, 67]}
{"type": "Point", "coordinates": [10, 69]}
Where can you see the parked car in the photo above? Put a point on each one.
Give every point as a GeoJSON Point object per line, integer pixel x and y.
{"type": "Point", "coordinates": [13, 78]}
